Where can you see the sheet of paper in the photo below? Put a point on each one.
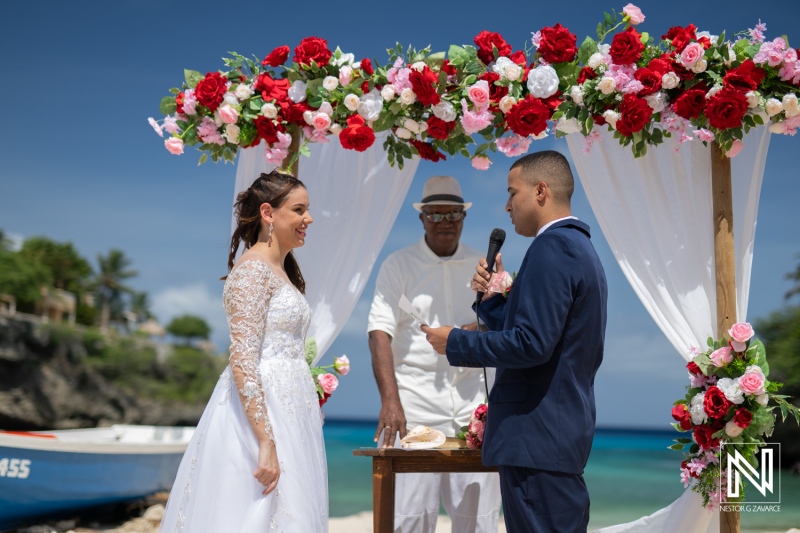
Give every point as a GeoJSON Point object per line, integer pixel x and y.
{"type": "Point", "coordinates": [406, 306]}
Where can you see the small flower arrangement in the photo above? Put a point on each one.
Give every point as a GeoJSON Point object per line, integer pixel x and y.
{"type": "Point", "coordinates": [473, 433]}
{"type": "Point", "coordinates": [501, 283]}
{"type": "Point", "coordinates": [729, 400]}
{"type": "Point", "coordinates": [325, 381]}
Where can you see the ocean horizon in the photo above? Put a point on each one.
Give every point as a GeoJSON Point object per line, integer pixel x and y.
{"type": "Point", "coordinates": [630, 474]}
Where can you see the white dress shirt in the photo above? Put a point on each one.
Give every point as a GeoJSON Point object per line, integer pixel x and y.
{"type": "Point", "coordinates": [431, 391]}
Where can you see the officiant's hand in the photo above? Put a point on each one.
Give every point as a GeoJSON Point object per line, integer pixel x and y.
{"type": "Point", "coordinates": [482, 277]}
{"type": "Point", "coordinates": [268, 471]}
{"type": "Point", "coordinates": [437, 337]}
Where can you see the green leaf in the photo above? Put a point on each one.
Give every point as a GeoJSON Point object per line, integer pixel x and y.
{"type": "Point", "coordinates": [304, 150]}
{"type": "Point", "coordinates": [586, 50]}
{"type": "Point", "coordinates": [676, 447]}
{"type": "Point", "coordinates": [311, 350]}
{"type": "Point", "coordinates": [385, 121]}
{"type": "Point", "coordinates": [644, 37]}
{"type": "Point", "coordinates": [168, 105]}
{"type": "Point", "coordinates": [175, 91]}
{"type": "Point", "coordinates": [192, 77]}
{"type": "Point", "coordinates": [457, 55]}
{"type": "Point", "coordinates": [684, 440]}
{"type": "Point", "coordinates": [203, 159]}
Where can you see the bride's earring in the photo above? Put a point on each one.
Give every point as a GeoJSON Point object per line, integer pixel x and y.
{"type": "Point", "coordinates": [269, 235]}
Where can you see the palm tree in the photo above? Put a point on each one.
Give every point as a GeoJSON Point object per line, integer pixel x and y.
{"type": "Point", "coordinates": [112, 271]}
{"type": "Point", "coordinates": [140, 306]}
{"type": "Point", "coordinates": [794, 276]}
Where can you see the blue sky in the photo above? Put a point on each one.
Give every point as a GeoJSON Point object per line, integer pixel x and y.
{"type": "Point", "coordinates": [78, 161]}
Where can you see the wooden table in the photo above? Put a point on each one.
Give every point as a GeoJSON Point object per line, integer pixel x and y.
{"type": "Point", "coordinates": [386, 462]}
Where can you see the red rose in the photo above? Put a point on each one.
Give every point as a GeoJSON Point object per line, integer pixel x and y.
{"type": "Point", "coordinates": [496, 92]}
{"type": "Point", "coordinates": [726, 108]}
{"type": "Point", "coordinates": [439, 129]}
{"type": "Point", "coordinates": [690, 104]}
{"type": "Point", "coordinates": [681, 414]}
{"type": "Point", "coordinates": [272, 89]}
{"type": "Point", "coordinates": [694, 369]}
{"type": "Point", "coordinates": [179, 101]}
{"type": "Point", "coordinates": [519, 58]}
{"type": "Point", "coordinates": [365, 87]}
{"type": "Point", "coordinates": [715, 404]}
{"type": "Point", "coordinates": [705, 41]}
{"type": "Point", "coordinates": [746, 77]}
{"type": "Point", "coordinates": [427, 151]}
{"type": "Point", "coordinates": [357, 135]}
{"type": "Point", "coordinates": [267, 129]}
{"type": "Point", "coordinates": [312, 49]}
{"type": "Point", "coordinates": [557, 44]}
{"type": "Point", "coordinates": [742, 418]}
{"type": "Point", "coordinates": [680, 37]}
{"type": "Point", "coordinates": [586, 73]}
{"type": "Point", "coordinates": [324, 398]}
{"type": "Point", "coordinates": [449, 69]}
{"type": "Point", "coordinates": [626, 47]}
{"type": "Point", "coordinates": [600, 120]}
{"type": "Point", "coordinates": [277, 57]}
{"type": "Point", "coordinates": [485, 40]}
{"type": "Point", "coordinates": [211, 90]}
{"type": "Point", "coordinates": [366, 66]}
{"type": "Point", "coordinates": [649, 79]}
{"type": "Point", "coordinates": [702, 436]}
{"type": "Point", "coordinates": [529, 116]}
{"type": "Point", "coordinates": [424, 85]}
{"type": "Point", "coordinates": [552, 102]}
{"type": "Point", "coordinates": [635, 113]}
{"type": "Point", "coordinates": [660, 66]}
{"type": "Point", "coordinates": [294, 113]}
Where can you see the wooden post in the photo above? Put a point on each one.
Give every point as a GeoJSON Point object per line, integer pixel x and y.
{"type": "Point", "coordinates": [382, 495]}
{"type": "Point", "coordinates": [725, 269]}
{"type": "Point", "coordinates": [293, 148]}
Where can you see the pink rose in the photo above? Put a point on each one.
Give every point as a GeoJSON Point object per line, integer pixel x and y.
{"type": "Point", "coordinates": [741, 332]}
{"type": "Point", "coordinates": [692, 54]}
{"type": "Point", "coordinates": [328, 382]}
{"type": "Point", "coordinates": [722, 357]}
{"type": "Point", "coordinates": [342, 365]}
{"type": "Point", "coordinates": [479, 93]}
{"type": "Point", "coordinates": [321, 121]}
{"type": "Point", "coordinates": [228, 114]}
{"type": "Point", "coordinates": [345, 75]}
{"type": "Point", "coordinates": [634, 14]}
{"type": "Point", "coordinates": [475, 121]}
{"type": "Point", "coordinates": [704, 135]}
{"type": "Point", "coordinates": [481, 162]}
{"type": "Point", "coordinates": [174, 145]}
{"type": "Point", "coordinates": [752, 382]}
{"type": "Point", "coordinates": [477, 428]}
{"type": "Point", "coordinates": [736, 147]}
{"type": "Point", "coordinates": [275, 156]}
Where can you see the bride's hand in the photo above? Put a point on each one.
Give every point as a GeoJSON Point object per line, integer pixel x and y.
{"type": "Point", "coordinates": [268, 471]}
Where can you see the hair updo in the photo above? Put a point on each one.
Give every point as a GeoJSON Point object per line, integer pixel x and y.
{"type": "Point", "coordinates": [272, 189]}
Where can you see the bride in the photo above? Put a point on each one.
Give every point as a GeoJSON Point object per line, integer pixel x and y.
{"type": "Point", "coordinates": [256, 462]}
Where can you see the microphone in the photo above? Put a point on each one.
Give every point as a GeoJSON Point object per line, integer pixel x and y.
{"type": "Point", "coordinates": [496, 240]}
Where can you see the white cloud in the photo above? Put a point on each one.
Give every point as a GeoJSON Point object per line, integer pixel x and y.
{"type": "Point", "coordinates": [195, 300]}
{"type": "Point", "coordinates": [16, 241]}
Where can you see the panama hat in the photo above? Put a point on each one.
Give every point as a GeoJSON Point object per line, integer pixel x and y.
{"type": "Point", "coordinates": [441, 190]}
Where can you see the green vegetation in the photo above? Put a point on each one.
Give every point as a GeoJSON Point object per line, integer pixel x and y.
{"type": "Point", "coordinates": [188, 328]}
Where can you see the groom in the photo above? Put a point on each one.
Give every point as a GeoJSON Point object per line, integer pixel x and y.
{"type": "Point", "coordinates": [546, 341]}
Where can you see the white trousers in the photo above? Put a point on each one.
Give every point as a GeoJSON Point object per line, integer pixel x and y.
{"type": "Point", "coordinates": [472, 500]}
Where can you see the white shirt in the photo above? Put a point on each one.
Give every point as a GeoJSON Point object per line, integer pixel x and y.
{"type": "Point", "coordinates": [543, 228]}
{"type": "Point", "coordinates": [431, 391]}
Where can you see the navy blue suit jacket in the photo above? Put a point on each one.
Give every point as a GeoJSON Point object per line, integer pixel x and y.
{"type": "Point", "coordinates": [546, 341]}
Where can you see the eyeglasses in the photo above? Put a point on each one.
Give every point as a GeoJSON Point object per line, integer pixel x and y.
{"type": "Point", "coordinates": [438, 217]}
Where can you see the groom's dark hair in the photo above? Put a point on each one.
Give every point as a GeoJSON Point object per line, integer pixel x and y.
{"type": "Point", "coordinates": [550, 167]}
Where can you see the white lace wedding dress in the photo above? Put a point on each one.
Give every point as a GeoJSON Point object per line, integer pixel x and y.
{"type": "Point", "coordinates": [215, 491]}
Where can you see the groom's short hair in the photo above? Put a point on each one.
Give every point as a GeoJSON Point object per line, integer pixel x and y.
{"type": "Point", "coordinates": [550, 167]}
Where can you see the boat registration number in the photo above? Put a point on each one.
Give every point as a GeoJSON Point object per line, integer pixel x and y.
{"type": "Point", "coordinates": [18, 468]}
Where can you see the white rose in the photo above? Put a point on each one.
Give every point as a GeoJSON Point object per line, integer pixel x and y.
{"type": "Point", "coordinates": [596, 60]}
{"type": "Point", "coordinates": [387, 93]}
{"type": "Point", "coordinates": [218, 119]}
{"type": "Point", "coordinates": [230, 99]}
{"type": "Point", "coordinates": [356, 65]}
{"type": "Point", "coordinates": [407, 96]}
{"type": "Point", "coordinates": [777, 127]}
{"type": "Point", "coordinates": [714, 90]}
{"type": "Point", "coordinates": [336, 129]}
{"type": "Point", "coordinates": [423, 126]}
{"type": "Point", "coordinates": [507, 69]}
{"type": "Point", "coordinates": [604, 48]}
{"type": "Point", "coordinates": [371, 105]}
{"type": "Point", "coordinates": [576, 93]}
{"type": "Point", "coordinates": [232, 133]}
{"type": "Point", "coordinates": [345, 59]}
{"type": "Point", "coordinates": [330, 83]}
{"type": "Point", "coordinates": [269, 110]}
{"type": "Point", "coordinates": [700, 66]}
{"type": "Point", "coordinates": [308, 116]}
{"type": "Point", "coordinates": [773, 107]}
{"type": "Point", "coordinates": [607, 85]}
{"type": "Point", "coordinates": [445, 111]}
{"type": "Point", "coordinates": [326, 107]}
{"type": "Point", "coordinates": [752, 99]}
{"type": "Point", "coordinates": [540, 136]}
{"type": "Point", "coordinates": [790, 105]}
{"type": "Point", "coordinates": [568, 126]}
{"type": "Point", "coordinates": [418, 66]}
{"type": "Point", "coordinates": [611, 117]}
{"type": "Point", "coordinates": [543, 81]}
{"type": "Point", "coordinates": [411, 125]}
{"type": "Point", "coordinates": [697, 411]}
{"type": "Point", "coordinates": [243, 91]}
{"type": "Point", "coordinates": [351, 101]}
{"type": "Point", "coordinates": [730, 388]}
{"type": "Point", "coordinates": [732, 429]}
{"type": "Point", "coordinates": [670, 80]}
{"type": "Point", "coordinates": [297, 92]}
{"type": "Point", "coordinates": [506, 103]}
{"type": "Point", "coordinates": [762, 400]}
{"type": "Point", "coordinates": [656, 101]}
{"type": "Point", "coordinates": [403, 133]}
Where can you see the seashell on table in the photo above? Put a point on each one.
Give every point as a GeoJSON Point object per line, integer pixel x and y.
{"type": "Point", "coordinates": [422, 438]}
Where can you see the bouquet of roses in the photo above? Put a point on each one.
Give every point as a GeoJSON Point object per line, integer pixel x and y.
{"type": "Point", "coordinates": [729, 400]}
{"type": "Point", "coordinates": [325, 381]}
{"type": "Point", "coordinates": [473, 433]}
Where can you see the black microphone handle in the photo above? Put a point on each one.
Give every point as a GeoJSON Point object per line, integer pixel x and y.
{"type": "Point", "coordinates": [494, 248]}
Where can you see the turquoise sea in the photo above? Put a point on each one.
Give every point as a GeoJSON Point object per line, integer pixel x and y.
{"type": "Point", "coordinates": [630, 474]}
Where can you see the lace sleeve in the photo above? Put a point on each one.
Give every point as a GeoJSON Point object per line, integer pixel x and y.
{"type": "Point", "coordinates": [246, 298]}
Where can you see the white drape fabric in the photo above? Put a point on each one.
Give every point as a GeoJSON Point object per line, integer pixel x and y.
{"type": "Point", "coordinates": [656, 214]}
{"type": "Point", "coordinates": [355, 198]}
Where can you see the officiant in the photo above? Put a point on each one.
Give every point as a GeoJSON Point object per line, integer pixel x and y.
{"type": "Point", "coordinates": [417, 387]}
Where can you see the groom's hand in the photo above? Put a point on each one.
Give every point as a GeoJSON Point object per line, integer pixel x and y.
{"type": "Point", "coordinates": [437, 337]}
{"type": "Point", "coordinates": [483, 277]}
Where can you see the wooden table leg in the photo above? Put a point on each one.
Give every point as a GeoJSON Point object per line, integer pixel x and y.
{"type": "Point", "coordinates": [382, 495]}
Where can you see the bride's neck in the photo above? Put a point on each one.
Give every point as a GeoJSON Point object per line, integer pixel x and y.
{"type": "Point", "coordinates": [272, 251]}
